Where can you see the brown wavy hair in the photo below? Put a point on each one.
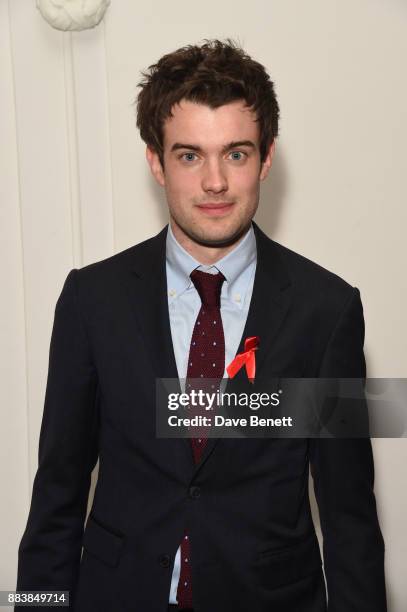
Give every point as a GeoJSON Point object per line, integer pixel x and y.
{"type": "Point", "coordinates": [214, 73]}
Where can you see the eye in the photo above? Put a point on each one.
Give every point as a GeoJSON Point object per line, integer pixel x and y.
{"type": "Point", "coordinates": [237, 155]}
{"type": "Point", "coordinates": [188, 156]}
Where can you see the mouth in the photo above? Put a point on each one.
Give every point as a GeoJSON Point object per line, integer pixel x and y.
{"type": "Point", "coordinates": [214, 209]}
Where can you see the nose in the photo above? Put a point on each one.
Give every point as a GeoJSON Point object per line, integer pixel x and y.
{"type": "Point", "coordinates": [214, 177]}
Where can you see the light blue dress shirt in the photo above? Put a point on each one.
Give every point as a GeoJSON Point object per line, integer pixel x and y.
{"type": "Point", "coordinates": [184, 303]}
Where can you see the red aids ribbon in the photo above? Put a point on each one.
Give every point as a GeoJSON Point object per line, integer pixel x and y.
{"type": "Point", "coordinates": [246, 358]}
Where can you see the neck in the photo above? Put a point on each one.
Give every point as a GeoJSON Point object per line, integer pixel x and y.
{"type": "Point", "coordinates": [207, 255]}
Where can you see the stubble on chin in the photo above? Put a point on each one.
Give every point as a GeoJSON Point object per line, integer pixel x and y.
{"type": "Point", "coordinates": [213, 239]}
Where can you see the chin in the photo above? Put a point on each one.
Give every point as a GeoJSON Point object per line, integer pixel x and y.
{"type": "Point", "coordinates": [218, 236]}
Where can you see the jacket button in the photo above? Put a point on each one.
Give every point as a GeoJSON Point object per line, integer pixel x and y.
{"type": "Point", "coordinates": [194, 492]}
{"type": "Point", "coordinates": [164, 560]}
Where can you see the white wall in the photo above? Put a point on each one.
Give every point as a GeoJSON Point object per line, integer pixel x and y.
{"type": "Point", "coordinates": [75, 187]}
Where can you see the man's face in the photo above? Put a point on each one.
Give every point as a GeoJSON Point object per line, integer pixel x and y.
{"type": "Point", "coordinates": [212, 171]}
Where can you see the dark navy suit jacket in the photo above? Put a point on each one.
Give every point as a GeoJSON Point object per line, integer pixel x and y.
{"type": "Point", "coordinates": [253, 541]}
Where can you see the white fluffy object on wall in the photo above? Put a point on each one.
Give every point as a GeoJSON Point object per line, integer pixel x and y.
{"type": "Point", "coordinates": [73, 14]}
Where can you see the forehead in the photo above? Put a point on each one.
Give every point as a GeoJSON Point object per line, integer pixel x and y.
{"type": "Point", "coordinates": [197, 123]}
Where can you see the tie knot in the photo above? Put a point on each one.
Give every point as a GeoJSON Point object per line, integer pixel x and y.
{"type": "Point", "coordinates": [208, 286]}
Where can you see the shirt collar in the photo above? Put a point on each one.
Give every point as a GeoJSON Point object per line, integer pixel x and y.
{"type": "Point", "coordinates": [235, 266]}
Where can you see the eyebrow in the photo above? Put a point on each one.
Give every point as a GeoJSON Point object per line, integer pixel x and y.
{"type": "Point", "coordinates": [230, 145]}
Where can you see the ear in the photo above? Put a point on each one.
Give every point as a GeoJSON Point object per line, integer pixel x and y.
{"type": "Point", "coordinates": [155, 165]}
{"type": "Point", "coordinates": [266, 165]}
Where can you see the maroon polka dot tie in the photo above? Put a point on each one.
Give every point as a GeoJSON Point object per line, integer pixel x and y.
{"type": "Point", "coordinates": [206, 361]}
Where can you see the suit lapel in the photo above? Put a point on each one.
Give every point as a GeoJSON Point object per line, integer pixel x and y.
{"type": "Point", "coordinates": [146, 286]}
{"type": "Point", "coordinates": [269, 305]}
{"type": "Point", "coordinates": [147, 289]}
{"type": "Point", "coordinates": [270, 299]}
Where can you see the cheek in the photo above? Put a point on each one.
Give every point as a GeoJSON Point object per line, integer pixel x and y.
{"type": "Point", "coordinates": [245, 183]}
{"type": "Point", "coordinates": [245, 178]}
{"type": "Point", "coordinates": [182, 184]}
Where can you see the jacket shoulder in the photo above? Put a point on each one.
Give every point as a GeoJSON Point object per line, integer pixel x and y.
{"type": "Point", "coordinates": [314, 288]}
{"type": "Point", "coordinates": [303, 271]}
{"type": "Point", "coordinates": [133, 256]}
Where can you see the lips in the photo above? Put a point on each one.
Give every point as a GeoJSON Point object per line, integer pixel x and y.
{"type": "Point", "coordinates": [213, 208]}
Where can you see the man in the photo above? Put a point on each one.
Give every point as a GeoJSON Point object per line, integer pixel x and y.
{"type": "Point", "coordinates": [214, 524]}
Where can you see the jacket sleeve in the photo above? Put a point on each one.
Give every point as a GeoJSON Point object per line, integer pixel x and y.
{"type": "Point", "coordinates": [343, 475]}
{"type": "Point", "coordinates": [50, 548]}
